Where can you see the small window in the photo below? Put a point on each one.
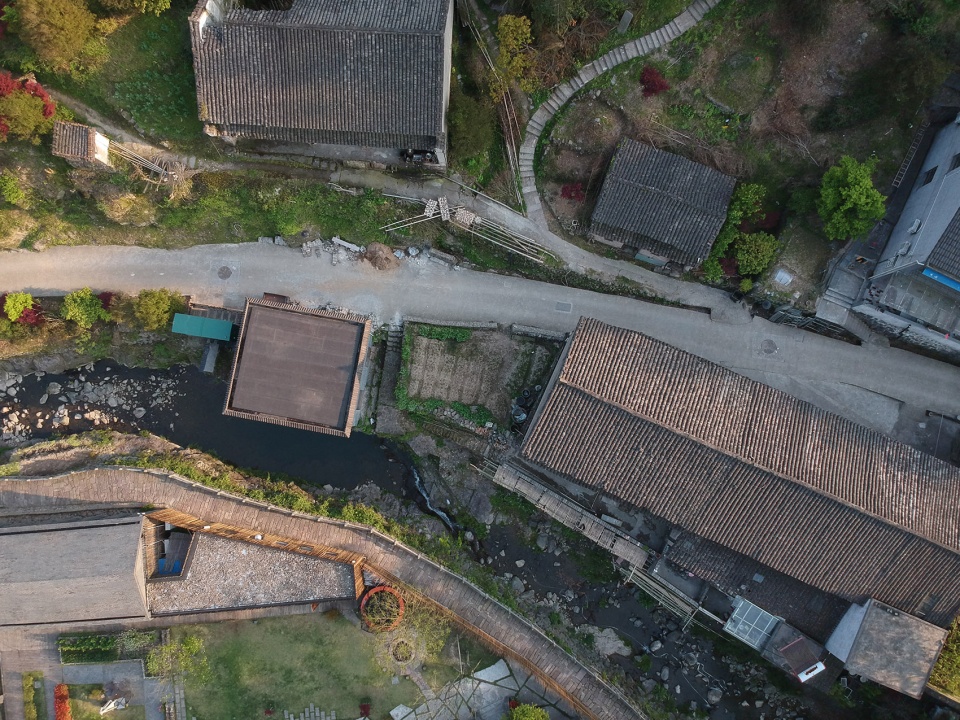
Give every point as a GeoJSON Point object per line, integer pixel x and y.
{"type": "Point", "coordinates": [928, 176]}
{"type": "Point", "coordinates": [955, 163]}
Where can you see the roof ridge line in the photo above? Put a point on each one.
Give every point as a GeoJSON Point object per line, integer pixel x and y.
{"type": "Point", "coordinates": [663, 193]}
{"type": "Point", "coordinates": [845, 503]}
{"type": "Point", "coordinates": [336, 28]}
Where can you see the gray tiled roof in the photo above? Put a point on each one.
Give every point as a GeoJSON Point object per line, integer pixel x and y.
{"type": "Point", "coordinates": [753, 469]}
{"type": "Point", "coordinates": [946, 254]}
{"type": "Point", "coordinates": [663, 203]}
{"type": "Point", "coordinates": [72, 140]}
{"type": "Point", "coordinates": [368, 72]}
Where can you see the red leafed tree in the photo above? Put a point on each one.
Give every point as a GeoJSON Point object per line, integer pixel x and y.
{"type": "Point", "coordinates": [653, 81]}
{"type": "Point", "coordinates": [26, 109]}
{"type": "Point", "coordinates": [61, 702]}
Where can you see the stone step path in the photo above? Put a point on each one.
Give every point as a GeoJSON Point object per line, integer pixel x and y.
{"type": "Point", "coordinates": [564, 91]}
{"type": "Point", "coordinates": [310, 713]}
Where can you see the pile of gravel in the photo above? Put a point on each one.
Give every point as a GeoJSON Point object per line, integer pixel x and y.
{"type": "Point", "coordinates": [233, 574]}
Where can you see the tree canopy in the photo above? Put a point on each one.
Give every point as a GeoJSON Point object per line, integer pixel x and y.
{"type": "Point", "coordinates": [513, 61]}
{"type": "Point", "coordinates": [84, 308]}
{"type": "Point", "coordinates": [26, 110]}
{"type": "Point", "coordinates": [849, 204]}
{"type": "Point", "coordinates": [56, 30]}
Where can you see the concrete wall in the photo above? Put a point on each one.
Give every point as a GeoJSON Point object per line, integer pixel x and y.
{"type": "Point", "coordinates": [447, 79]}
{"type": "Point", "coordinates": [894, 326]}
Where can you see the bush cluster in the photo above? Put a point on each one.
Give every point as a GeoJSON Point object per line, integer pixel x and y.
{"type": "Point", "coordinates": [76, 649]}
{"type": "Point", "coordinates": [61, 702]}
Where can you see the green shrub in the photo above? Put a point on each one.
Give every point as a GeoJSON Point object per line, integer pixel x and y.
{"type": "Point", "coordinates": [509, 503]}
{"type": "Point", "coordinates": [84, 308]}
{"type": "Point", "coordinates": [754, 252]}
{"type": "Point", "coordinates": [745, 205]}
{"type": "Point", "coordinates": [10, 189]}
{"type": "Point", "coordinates": [86, 648]}
{"type": "Point", "coordinates": [154, 309]}
{"type": "Point", "coordinates": [528, 712]}
{"type": "Point", "coordinates": [34, 702]}
{"type": "Point", "coordinates": [473, 124]}
{"type": "Point", "coordinates": [16, 303]}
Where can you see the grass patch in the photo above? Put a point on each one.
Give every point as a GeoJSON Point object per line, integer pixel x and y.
{"type": "Point", "coordinates": [9, 469]}
{"type": "Point", "coordinates": [946, 672]}
{"type": "Point", "coordinates": [287, 663]}
{"type": "Point", "coordinates": [744, 79]}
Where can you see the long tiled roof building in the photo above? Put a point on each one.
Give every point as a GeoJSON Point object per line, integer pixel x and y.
{"type": "Point", "coordinates": [365, 73]}
{"type": "Point", "coordinates": [745, 467]}
{"type": "Point", "coordinates": [662, 204]}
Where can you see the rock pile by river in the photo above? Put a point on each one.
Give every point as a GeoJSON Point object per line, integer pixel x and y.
{"type": "Point", "coordinates": [102, 401]}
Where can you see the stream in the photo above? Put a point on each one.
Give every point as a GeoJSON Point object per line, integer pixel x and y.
{"type": "Point", "coordinates": [185, 406]}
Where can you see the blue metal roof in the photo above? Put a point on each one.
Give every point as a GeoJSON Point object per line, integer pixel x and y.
{"type": "Point", "coordinates": [202, 327]}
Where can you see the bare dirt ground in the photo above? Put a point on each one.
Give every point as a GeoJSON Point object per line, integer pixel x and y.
{"type": "Point", "coordinates": [489, 369]}
{"type": "Point", "coordinates": [803, 258]}
{"type": "Point", "coordinates": [775, 80]}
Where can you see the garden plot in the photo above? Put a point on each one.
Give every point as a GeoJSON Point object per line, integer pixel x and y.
{"type": "Point", "coordinates": [486, 369]}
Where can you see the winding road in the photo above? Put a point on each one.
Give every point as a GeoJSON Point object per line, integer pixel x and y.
{"type": "Point", "coordinates": [868, 384]}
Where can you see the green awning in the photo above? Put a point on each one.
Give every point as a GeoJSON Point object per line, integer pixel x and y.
{"type": "Point", "coordinates": [202, 327]}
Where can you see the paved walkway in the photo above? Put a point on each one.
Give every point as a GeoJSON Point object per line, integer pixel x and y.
{"type": "Point", "coordinates": [505, 630]}
{"type": "Point", "coordinates": [483, 696]}
{"type": "Point", "coordinates": [865, 383]}
{"type": "Point", "coordinates": [566, 90]}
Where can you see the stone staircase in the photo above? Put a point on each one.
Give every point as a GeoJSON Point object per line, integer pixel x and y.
{"type": "Point", "coordinates": [566, 90]}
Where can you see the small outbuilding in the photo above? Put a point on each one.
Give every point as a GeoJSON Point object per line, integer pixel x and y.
{"type": "Point", "coordinates": [71, 572]}
{"type": "Point", "coordinates": [298, 367]}
{"type": "Point", "coordinates": [202, 327]}
{"type": "Point", "coordinates": [888, 646]}
{"type": "Point", "coordinates": [663, 206]}
{"type": "Point", "coordinates": [81, 146]}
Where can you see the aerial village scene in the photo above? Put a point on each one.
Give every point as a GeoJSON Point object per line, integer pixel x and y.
{"type": "Point", "coordinates": [497, 359]}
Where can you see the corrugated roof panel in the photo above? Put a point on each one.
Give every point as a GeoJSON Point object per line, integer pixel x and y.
{"type": "Point", "coordinates": [202, 327]}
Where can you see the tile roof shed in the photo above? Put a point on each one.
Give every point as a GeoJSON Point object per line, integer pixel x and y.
{"type": "Point", "coordinates": [369, 73]}
{"type": "Point", "coordinates": [662, 203]}
{"type": "Point", "coordinates": [754, 470]}
{"type": "Point", "coordinates": [80, 145]}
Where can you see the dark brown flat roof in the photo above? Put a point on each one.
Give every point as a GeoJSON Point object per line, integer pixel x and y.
{"type": "Point", "coordinates": [298, 367]}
